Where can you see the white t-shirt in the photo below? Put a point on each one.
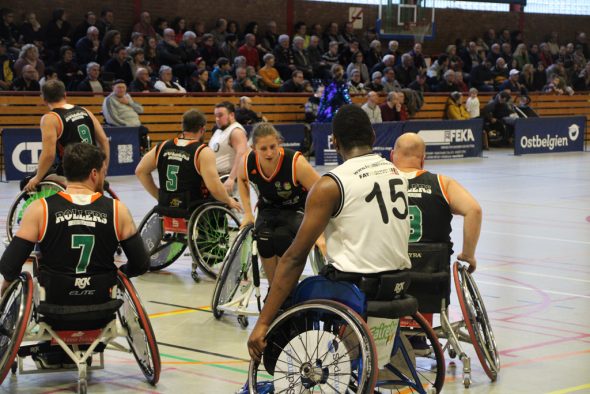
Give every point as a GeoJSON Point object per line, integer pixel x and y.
{"type": "Point", "coordinates": [370, 231]}
{"type": "Point", "coordinates": [225, 154]}
{"type": "Point", "coordinates": [472, 107]}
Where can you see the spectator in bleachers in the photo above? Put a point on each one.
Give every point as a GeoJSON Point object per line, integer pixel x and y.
{"type": "Point", "coordinates": [329, 59]}
{"type": "Point", "coordinates": [506, 54]}
{"type": "Point", "coordinates": [393, 109]}
{"type": "Point", "coordinates": [347, 54]}
{"type": "Point", "coordinates": [87, 47]}
{"type": "Point", "coordinates": [106, 21]}
{"type": "Point", "coordinates": [455, 62]}
{"type": "Point", "coordinates": [312, 105]}
{"type": "Point", "coordinates": [418, 57]}
{"type": "Point", "coordinates": [374, 54]}
{"type": "Point", "coordinates": [301, 31]}
{"type": "Point", "coordinates": [57, 32]}
{"type": "Point", "coordinates": [209, 51]}
{"type": "Point", "coordinates": [359, 65]}
{"type": "Point", "coordinates": [142, 82]}
{"type": "Point", "coordinates": [557, 85]}
{"type": "Point", "coordinates": [245, 113]}
{"type": "Point", "coordinates": [482, 77]}
{"type": "Point", "coordinates": [165, 84]}
{"type": "Point", "coordinates": [119, 66]}
{"type": "Point", "coordinates": [375, 85]}
{"type": "Point", "coordinates": [579, 58]}
{"type": "Point", "coordinates": [406, 71]}
{"type": "Point", "coordinates": [137, 41]}
{"type": "Point", "coordinates": [9, 33]}
{"type": "Point", "coordinates": [270, 38]}
{"type": "Point", "coordinates": [533, 53]}
{"type": "Point", "coordinates": [151, 54]}
{"type": "Point", "coordinates": [521, 56]}
{"type": "Point", "coordinates": [553, 44]}
{"type": "Point", "coordinates": [6, 70]}
{"type": "Point", "coordinates": [31, 30]}
{"type": "Point", "coordinates": [504, 36]}
{"type": "Point", "coordinates": [229, 48]}
{"type": "Point", "coordinates": [221, 70]}
{"type": "Point", "coordinates": [110, 41]}
{"type": "Point", "coordinates": [335, 95]}
{"type": "Point", "coordinates": [243, 84]}
{"type": "Point", "coordinates": [318, 31]}
{"type": "Point", "coordinates": [332, 34]}
{"type": "Point", "coordinates": [460, 82]}
{"type": "Point", "coordinates": [355, 86]}
{"type": "Point", "coordinates": [137, 60]}
{"type": "Point", "coordinates": [29, 55]}
{"type": "Point", "coordinates": [497, 114]}
{"type": "Point", "coordinates": [179, 27]}
{"type": "Point", "coordinates": [500, 72]}
{"type": "Point", "coordinates": [581, 81]}
{"type": "Point", "coordinates": [447, 84]}
{"type": "Point", "coordinates": [219, 32]}
{"type": "Point", "coordinates": [494, 53]}
{"type": "Point", "coordinates": [540, 77]}
{"type": "Point", "coordinates": [198, 82]}
{"type": "Point", "coordinates": [144, 26]}
{"type": "Point", "coordinates": [82, 29]}
{"type": "Point", "coordinates": [300, 58]}
{"type": "Point", "coordinates": [472, 103]}
{"type": "Point", "coordinates": [512, 83]}
{"type": "Point", "coordinates": [67, 69]}
{"type": "Point", "coordinates": [526, 77]}
{"type": "Point", "coordinates": [293, 85]}
{"type": "Point", "coordinates": [419, 84]}
{"type": "Point", "coordinates": [314, 53]}
{"type": "Point", "coordinates": [387, 61]}
{"type": "Point", "coordinates": [160, 25]}
{"type": "Point", "coordinates": [389, 82]}
{"type": "Point", "coordinates": [252, 28]}
{"type": "Point", "coordinates": [28, 81]}
{"type": "Point", "coordinates": [92, 82]}
{"type": "Point", "coordinates": [49, 75]}
{"type": "Point", "coordinates": [249, 51]}
{"type": "Point", "coordinates": [393, 49]}
{"type": "Point", "coordinates": [566, 57]}
{"type": "Point", "coordinates": [545, 55]}
{"type": "Point", "coordinates": [454, 108]}
{"type": "Point", "coordinates": [269, 76]}
{"type": "Point", "coordinates": [253, 76]}
{"type": "Point", "coordinates": [437, 69]}
{"type": "Point", "coordinates": [227, 84]}
{"type": "Point", "coordinates": [188, 46]}
{"type": "Point", "coordinates": [239, 61]}
{"type": "Point", "coordinates": [490, 38]}
{"type": "Point", "coordinates": [371, 107]}
{"type": "Point", "coordinates": [284, 57]}
{"type": "Point", "coordinates": [348, 33]}
{"type": "Point", "coordinates": [582, 40]}
{"type": "Point", "coordinates": [470, 57]}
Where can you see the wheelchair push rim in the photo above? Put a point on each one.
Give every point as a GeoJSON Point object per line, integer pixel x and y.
{"type": "Point", "coordinates": [140, 334]}
{"type": "Point", "coordinates": [212, 229]}
{"type": "Point", "coordinates": [23, 200]}
{"type": "Point", "coordinates": [162, 252]}
{"type": "Point", "coordinates": [15, 308]}
{"type": "Point", "coordinates": [343, 358]}
{"type": "Point", "coordinates": [476, 321]}
{"type": "Point", "coordinates": [234, 270]}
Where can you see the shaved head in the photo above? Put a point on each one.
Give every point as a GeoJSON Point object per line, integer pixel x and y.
{"type": "Point", "coordinates": [409, 152]}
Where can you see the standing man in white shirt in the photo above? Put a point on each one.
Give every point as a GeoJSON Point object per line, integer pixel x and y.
{"type": "Point", "coordinates": [229, 142]}
{"type": "Point", "coordinates": [371, 107]}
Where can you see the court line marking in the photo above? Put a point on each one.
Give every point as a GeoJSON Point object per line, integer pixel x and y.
{"type": "Point", "coordinates": [220, 366]}
{"type": "Point", "coordinates": [485, 282]}
{"type": "Point", "coordinates": [537, 237]}
{"type": "Point", "coordinates": [171, 313]}
{"type": "Point", "coordinates": [571, 389]}
{"type": "Point", "coordinates": [205, 308]}
{"type": "Point", "coordinates": [216, 378]}
{"type": "Point", "coordinates": [535, 274]}
{"type": "Point", "coordinates": [190, 349]}
{"type": "Point", "coordinates": [545, 358]}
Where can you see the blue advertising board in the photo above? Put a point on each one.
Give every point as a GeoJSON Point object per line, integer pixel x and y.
{"type": "Point", "coordinates": [22, 147]}
{"type": "Point", "coordinates": [549, 135]}
{"type": "Point", "coordinates": [449, 139]}
{"type": "Point", "coordinates": [293, 134]}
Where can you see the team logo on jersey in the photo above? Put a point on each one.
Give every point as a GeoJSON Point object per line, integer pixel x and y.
{"type": "Point", "coordinates": [175, 202]}
{"type": "Point", "coordinates": [283, 190]}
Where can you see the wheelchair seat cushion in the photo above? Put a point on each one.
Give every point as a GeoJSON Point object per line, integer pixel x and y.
{"type": "Point", "coordinates": [79, 289]}
{"type": "Point", "coordinates": [393, 309]}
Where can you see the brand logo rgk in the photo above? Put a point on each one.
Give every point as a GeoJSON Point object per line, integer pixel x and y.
{"type": "Point", "coordinates": [81, 283]}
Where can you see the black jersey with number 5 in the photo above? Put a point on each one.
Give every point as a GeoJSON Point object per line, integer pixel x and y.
{"type": "Point", "coordinates": [80, 233]}
{"type": "Point", "coordinates": [76, 126]}
{"type": "Point", "coordinates": [280, 190]}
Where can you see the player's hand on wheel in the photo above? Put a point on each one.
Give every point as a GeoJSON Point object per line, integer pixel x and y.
{"type": "Point", "coordinates": [32, 185]}
{"type": "Point", "coordinates": [233, 204]}
{"type": "Point", "coordinates": [229, 185]}
{"type": "Point", "coordinates": [257, 341]}
{"type": "Point", "coordinates": [470, 260]}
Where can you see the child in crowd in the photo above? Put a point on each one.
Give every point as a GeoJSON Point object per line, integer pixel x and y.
{"type": "Point", "coordinates": [472, 104]}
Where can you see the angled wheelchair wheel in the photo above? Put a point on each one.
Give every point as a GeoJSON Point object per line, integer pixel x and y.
{"type": "Point", "coordinates": [211, 231]}
{"type": "Point", "coordinates": [234, 271]}
{"type": "Point", "coordinates": [15, 312]}
{"type": "Point", "coordinates": [140, 334]}
{"type": "Point", "coordinates": [23, 200]}
{"type": "Point", "coordinates": [319, 346]}
{"type": "Point", "coordinates": [163, 249]}
{"type": "Point", "coordinates": [476, 320]}
{"type": "Point", "coordinates": [425, 353]}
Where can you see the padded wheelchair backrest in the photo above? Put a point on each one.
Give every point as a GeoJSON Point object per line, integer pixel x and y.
{"type": "Point", "coordinates": [386, 287]}
{"type": "Point", "coordinates": [429, 257]}
{"type": "Point", "coordinates": [430, 273]}
{"type": "Point", "coordinates": [80, 289]}
{"type": "Point", "coordinates": [319, 287]}
{"type": "Point", "coordinates": [176, 205]}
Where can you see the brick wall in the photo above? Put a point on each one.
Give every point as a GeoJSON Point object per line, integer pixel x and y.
{"type": "Point", "coordinates": [450, 23]}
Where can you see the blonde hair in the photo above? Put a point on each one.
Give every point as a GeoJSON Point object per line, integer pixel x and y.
{"type": "Point", "coordinates": [263, 129]}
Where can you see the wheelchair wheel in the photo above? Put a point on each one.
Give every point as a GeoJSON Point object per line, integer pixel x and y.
{"type": "Point", "coordinates": [211, 231]}
{"type": "Point", "coordinates": [23, 200]}
{"type": "Point", "coordinates": [140, 334]}
{"type": "Point", "coordinates": [234, 271]}
{"type": "Point", "coordinates": [15, 312]}
{"type": "Point", "coordinates": [476, 320]}
{"type": "Point", "coordinates": [425, 351]}
{"type": "Point", "coordinates": [316, 346]}
{"type": "Point", "coordinates": [163, 250]}
{"type": "Point", "coordinates": [254, 194]}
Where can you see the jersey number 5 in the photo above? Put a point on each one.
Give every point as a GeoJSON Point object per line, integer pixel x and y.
{"type": "Point", "coordinates": [376, 193]}
{"type": "Point", "coordinates": [85, 242]}
{"type": "Point", "coordinates": [172, 177]}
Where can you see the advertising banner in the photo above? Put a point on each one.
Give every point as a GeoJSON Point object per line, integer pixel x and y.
{"type": "Point", "coordinates": [293, 134]}
{"type": "Point", "coordinates": [549, 135]}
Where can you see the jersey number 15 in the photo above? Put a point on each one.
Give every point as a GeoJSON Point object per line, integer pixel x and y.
{"type": "Point", "coordinates": [394, 195]}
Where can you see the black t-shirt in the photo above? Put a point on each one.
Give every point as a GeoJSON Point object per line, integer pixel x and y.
{"type": "Point", "coordinates": [281, 190]}
{"type": "Point", "coordinates": [181, 183]}
{"type": "Point", "coordinates": [430, 212]}
{"type": "Point", "coordinates": [80, 234]}
{"type": "Point", "coordinates": [76, 126]}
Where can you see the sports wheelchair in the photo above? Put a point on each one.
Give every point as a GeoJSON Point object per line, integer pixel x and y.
{"type": "Point", "coordinates": [45, 188]}
{"type": "Point", "coordinates": [239, 278]}
{"type": "Point", "coordinates": [71, 318]}
{"type": "Point", "coordinates": [431, 285]}
{"type": "Point", "coordinates": [335, 341]}
{"type": "Point", "coordinates": [208, 230]}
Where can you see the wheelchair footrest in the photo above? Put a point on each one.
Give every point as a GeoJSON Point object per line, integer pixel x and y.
{"type": "Point", "coordinates": [393, 309]}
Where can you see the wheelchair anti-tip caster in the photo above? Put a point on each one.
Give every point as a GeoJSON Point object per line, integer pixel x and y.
{"type": "Point", "coordinates": [243, 320]}
{"type": "Point", "coordinates": [195, 276]}
{"type": "Point", "coordinates": [466, 381]}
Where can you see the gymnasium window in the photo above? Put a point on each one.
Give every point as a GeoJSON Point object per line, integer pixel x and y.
{"type": "Point", "coordinates": [569, 7]}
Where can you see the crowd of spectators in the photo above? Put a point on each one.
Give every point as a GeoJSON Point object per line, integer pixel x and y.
{"type": "Point", "coordinates": [173, 57]}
